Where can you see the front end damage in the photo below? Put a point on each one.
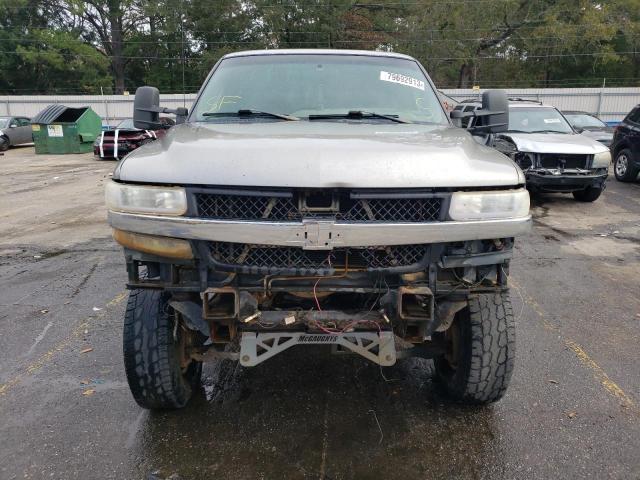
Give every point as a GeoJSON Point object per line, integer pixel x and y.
{"type": "Point", "coordinates": [549, 172]}
{"type": "Point", "coordinates": [375, 273]}
{"type": "Point", "coordinates": [557, 163]}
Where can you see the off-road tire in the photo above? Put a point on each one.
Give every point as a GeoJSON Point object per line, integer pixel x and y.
{"type": "Point", "coordinates": [486, 351]}
{"type": "Point", "coordinates": [589, 194]}
{"type": "Point", "coordinates": [629, 173]}
{"type": "Point", "coordinates": [151, 355]}
{"type": "Point", "coordinates": [4, 144]}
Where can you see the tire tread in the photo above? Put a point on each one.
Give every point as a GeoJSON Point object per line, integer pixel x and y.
{"type": "Point", "coordinates": [153, 374]}
{"type": "Point", "coordinates": [486, 360]}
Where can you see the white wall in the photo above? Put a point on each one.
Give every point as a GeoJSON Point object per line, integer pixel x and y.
{"type": "Point", "coordinates": [609, 103]}
{"type": "Point", "coordinates": [112, 108]}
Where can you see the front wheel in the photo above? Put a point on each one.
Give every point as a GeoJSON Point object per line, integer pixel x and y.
{"type": "Point", "coordinates": [4, 144]}
{"type": "Point", "coordinates": [589, 194]}
{"type": "Point", "coordinates": [481, 350]}
{"type": "Point", "coordinates": [159, 373]}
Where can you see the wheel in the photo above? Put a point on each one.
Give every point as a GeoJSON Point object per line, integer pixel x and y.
{"type": "Point", "coordinates": [158, 372]}
{"type": "Point", "coordinates": [589, 194]}
{"type": "Point", "coordinates": [482, 347]}
{"type": "Point", "coordinates": [4, 144]}
{"type": "Point", "coordinates": [623, 168]}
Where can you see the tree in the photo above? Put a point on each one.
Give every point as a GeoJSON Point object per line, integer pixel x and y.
{"type": "Point", "coordinates": [106, 25]}
{"type": "Point", "coordinates": [57, 45]}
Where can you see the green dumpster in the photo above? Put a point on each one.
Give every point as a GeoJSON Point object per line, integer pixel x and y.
{"type": "Point", "coordinates": [61, 129]}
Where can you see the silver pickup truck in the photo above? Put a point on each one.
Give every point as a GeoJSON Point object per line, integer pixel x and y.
{"type": "Point", "coordinates": [317, 197]}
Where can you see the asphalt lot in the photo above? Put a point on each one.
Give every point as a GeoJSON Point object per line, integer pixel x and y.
{"type": "Point", "coordinates": [573, 409]}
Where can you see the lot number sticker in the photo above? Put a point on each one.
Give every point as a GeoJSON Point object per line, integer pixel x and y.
{"type": "Point", "coordinates": [54, 130]}
{"type": "Point", "coordinates": [401, 79]}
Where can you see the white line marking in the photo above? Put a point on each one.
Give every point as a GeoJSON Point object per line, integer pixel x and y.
{"type": "Point", "coordinates": [39, 338]}
{"type": "Point", "coordinates": [133, 429]}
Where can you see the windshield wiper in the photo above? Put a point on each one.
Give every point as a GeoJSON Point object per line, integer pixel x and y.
{"type": "Point", "coordinates": [250, 113]}
{"type": "Point", "coordinates": [358, 115]}
{"type": "Point", "coordinates": [548, 131]}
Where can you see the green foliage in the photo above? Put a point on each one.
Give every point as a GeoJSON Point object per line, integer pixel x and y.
{"type": "Point", "coordinates": [81, 46]}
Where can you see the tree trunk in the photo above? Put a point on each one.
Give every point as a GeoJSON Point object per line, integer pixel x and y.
{"type": "Point", "coordinates": [117, 62]}
{"type": "Point", "coordinates": [464, 77]}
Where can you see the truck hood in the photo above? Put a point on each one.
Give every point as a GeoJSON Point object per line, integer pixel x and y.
{"type": "Point", "coordinates": [318, 154]}
{"type": "Point", "coordinates": [554, 143]}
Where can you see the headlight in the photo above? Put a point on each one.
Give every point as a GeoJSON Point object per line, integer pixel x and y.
{"type": "Point", "coordinates": [489, 205]}
{"type": "Point", "coordinates": [144, 199]}
{"type": "Point", "coordinates": [602, 160]}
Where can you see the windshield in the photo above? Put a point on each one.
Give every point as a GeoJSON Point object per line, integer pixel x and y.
{"type": "Point", "coordinates": [4, 122]}
{"type": "Point", "coordinates": [537, 119]}
{"type": "Point", "coordinates": [127, 123]}
{"type": "Point", "coordinates": [302, 85]}
{"type": "Point", "coordinates": [582, 120]}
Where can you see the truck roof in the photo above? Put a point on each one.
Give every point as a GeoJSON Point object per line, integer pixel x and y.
{"type": "Point", "coordinates": [317, 51]}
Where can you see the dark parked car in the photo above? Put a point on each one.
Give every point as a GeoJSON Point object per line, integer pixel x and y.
{"type": "Point", "coordinates": [626, 147]}
{"type": "Point", "coordinates": [14, 131]}
{"type": "Point", "coordinates": [125, 138]}
{"type": "Point", "coordinates": [590, 126]}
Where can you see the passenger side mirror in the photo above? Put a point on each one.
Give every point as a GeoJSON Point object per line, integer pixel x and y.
{"type": "Point", "coordinates": [494, 113]}
{"type": "Point", "coordinates": [578, 129]}
{"type": "Point", "coordinates": [493, 117]}
{"type": "Point", "coordinates": [147, 110]}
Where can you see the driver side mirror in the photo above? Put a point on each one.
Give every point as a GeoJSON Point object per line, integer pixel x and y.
{"type": "Point", "coordinates": [147, 110]}
{"type": "Point", "coordinates": [493, 117]}
{"type": "Point", "coordinates": [578, 129]}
